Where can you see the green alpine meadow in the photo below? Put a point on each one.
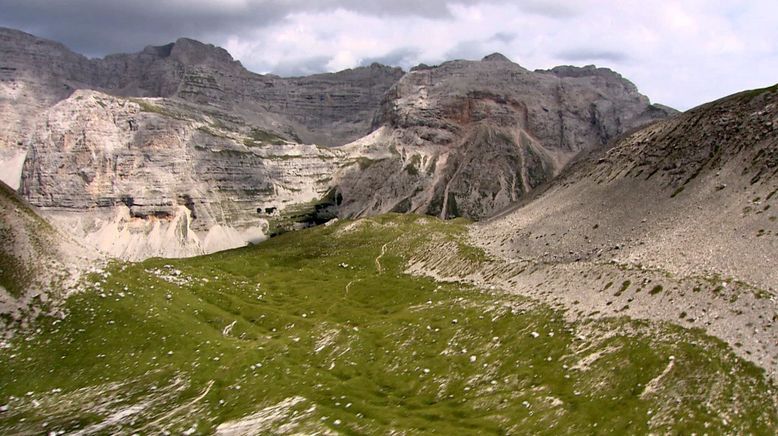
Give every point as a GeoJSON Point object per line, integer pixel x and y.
{"type": "Point", "coordinates": [322, 331]}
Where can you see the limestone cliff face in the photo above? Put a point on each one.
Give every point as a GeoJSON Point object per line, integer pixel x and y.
{"type": "Point", "coordinates": [34, 75]}
{"type": "Point", "coordinates": [469, 138]}
{"type": "Point", "coordinates": [177, 150]}
{"type": "Point", "coordinates": [326, 109]}
{"type": "Point", "coordinates": [140, 178]}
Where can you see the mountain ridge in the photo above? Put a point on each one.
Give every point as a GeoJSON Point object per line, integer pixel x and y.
{"type": "Point", "coordinates": [464, 138]}
{"type": "Point", "coordinates": [202, 74]}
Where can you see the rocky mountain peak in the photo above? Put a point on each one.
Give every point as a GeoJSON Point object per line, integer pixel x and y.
{"type": "Point", "coordinates": [378, 66]}
{"type": "Point", "coordinates": [192, 52]}
{"type": "Point", "coordinates": [585, 71]}
{"type": "Point", "coordinates": [437, 124]}
{"type": "Point", "coordinates": [495, 57]}
{"type": "Point", "coordinates": [11, 38]}
{"type": "Point", "coordinates": [160, 51]}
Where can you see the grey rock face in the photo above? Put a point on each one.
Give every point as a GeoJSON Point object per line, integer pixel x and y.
{"type": "Point", "coordinates": [34, 74]}
{"type": "Point", "coordinates": [469, 138]}
{"type": "Point", "coordinates": [328, 109]}
{"type": "Point", "coordinates": [138, 178]}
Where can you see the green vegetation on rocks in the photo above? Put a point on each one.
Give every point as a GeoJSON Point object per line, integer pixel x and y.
{"type": "Point", "coordinates": [259, 137]}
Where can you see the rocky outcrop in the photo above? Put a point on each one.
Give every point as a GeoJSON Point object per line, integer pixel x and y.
{"type": "Point", "coordinates": [469, 138]}
{"type": "Point", "coordinates": [146, 177]}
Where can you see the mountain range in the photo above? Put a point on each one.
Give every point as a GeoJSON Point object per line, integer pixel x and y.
{"type": "Point", "coordinates": [466, 245]}
{"type": "Point", "coordinates": [182, 143]}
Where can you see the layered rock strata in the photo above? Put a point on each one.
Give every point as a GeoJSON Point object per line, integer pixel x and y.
{"type": "Point", "coordinates": [469, 138]}
{"type": "Point", "coordinates": [140, 178]}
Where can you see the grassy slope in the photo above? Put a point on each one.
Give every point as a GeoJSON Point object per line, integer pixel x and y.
{"type": "Point", "coordinates": [355, 350]}
{"type": "Point", "coordinates": [21, 227]}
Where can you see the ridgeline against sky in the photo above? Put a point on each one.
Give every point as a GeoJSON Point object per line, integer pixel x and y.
{"type": "Point", "coordinates": [704, 48]}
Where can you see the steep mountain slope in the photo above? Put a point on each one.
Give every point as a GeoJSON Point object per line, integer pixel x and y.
{"type": "Point", "coordinates": [690, 194]}
{"type": "Point", "coordinates": [469, 138]}
{"type": "Point", "coordinates": [327, 109]}
{"type": "Point", "coordinates": [38, 264]}
{"type": "Point", "coordinates": [676, 222]}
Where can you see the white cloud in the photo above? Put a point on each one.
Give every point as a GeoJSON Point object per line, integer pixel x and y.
{"type": "Point", "coordinates": [681, 53]}
{"type": "Point", "coordinates": [678, 52]}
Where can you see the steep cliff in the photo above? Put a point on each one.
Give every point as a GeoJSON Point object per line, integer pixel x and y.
{"type": "Point", "coordinates": [34, 75]}
{"type": "Point", "coordinates": [150, 177]}
{"type": "Point", "coordinates": [469, 138]}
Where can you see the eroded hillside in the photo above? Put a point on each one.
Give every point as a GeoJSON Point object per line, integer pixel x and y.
{"type": "Point", "coordinates": [38, 264]}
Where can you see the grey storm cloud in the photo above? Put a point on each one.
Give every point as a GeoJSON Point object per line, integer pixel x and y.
{"type": "Point", "coordinates": [473, 49]}
{"type": "Point", "coordinates": [551, 8]}
{"type": "Point", "coordinates": [504, 37]}
{"type": "Point", "coordinates": [302, 67]}
{"type": "Point", "coordinates": [99, 27]}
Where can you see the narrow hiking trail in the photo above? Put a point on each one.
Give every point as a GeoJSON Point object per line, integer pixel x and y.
{"type": "Point", "coordinates": [348, 286]}
{"type": "Point", "coordinates": [378, 265]}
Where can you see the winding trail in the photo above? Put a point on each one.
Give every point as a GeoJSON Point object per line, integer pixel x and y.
{"type": "Point", "coordinates": [348, 286]}
{"type": "Point", "coordinates": [653, 385]}
{"type": "Point", "coordinates": [378, 258]}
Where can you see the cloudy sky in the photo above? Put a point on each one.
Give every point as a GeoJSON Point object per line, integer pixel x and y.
{"type": "Point", "coordinates": [679, 52]}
